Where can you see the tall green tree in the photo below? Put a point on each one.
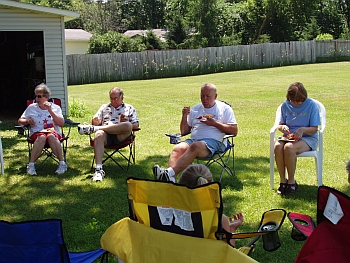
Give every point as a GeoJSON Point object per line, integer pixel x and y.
{"type": "Point", "coordinates": [176, 22]}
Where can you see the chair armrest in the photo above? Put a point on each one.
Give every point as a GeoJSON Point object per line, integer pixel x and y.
{"type": "Point", "coordinates": [229, 136]}
{"type": "Point", "coordinates": [70, 122]}
{"type": "Point", "coordinates": [21, 129]}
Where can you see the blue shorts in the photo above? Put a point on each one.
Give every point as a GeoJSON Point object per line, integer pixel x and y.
{"type": "Point", "coordinates": [212, 145]}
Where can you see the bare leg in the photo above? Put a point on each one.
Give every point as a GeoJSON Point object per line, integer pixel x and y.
{"type": "Point", "coordinates": [122, 130]}
{"type": "Point", "coordinates": [99, 144]}
{"type": "Point", "coordinates": [279, 158]}
{"type": "Point", "coordinates": [291, 150]}
{"type": "Point", "coordinates": [38, 146]}
{"type": "Point", "coordinates": [177, 152]}
{"type": "Point", "coordinates": [196, 149]}
{"type": "Point", "coordinates": [56, 146]}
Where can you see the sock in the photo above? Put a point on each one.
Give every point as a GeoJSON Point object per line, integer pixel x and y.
{"type": "Point", "coordinates": [99, 166]}
{"type": "Point", "coordinates": [62, 162]}
{"type": "Point", "coordinates": [30, 164]}
{"type": "Point", "coordinates": [171, 172]}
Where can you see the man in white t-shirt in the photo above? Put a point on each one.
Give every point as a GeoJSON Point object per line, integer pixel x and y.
{"type": "Point", "coordinates": [207, 122]}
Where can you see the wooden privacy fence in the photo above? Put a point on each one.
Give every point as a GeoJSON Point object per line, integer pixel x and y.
{"type": "Point", "coordinates": [95, 68]}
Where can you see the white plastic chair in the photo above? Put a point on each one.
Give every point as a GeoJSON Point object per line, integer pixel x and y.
{"type": "Point", "coordinates": [318, 154]}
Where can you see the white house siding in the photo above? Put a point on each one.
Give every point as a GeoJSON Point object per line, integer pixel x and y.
{"type": "Point", "coordinates": [73, 47]}
{"type": "Point", "coordinates": [14, 19]}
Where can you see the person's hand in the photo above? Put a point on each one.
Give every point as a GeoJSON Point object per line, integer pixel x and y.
{"type": "Point", "coordinates": [186, 110]}
{"type": "Point", "coordinates": [285, 129]}
{"type": "Point", "coordinates": [236, 220]}
{"type": "Point", "coordinates": [31, 122]}
{"type": "Point", "coordinates": [208, 121]}
{"type": "Point", "coordinates": [96, 121]}
{"type": "Point", "coordinates": [123, 118]}
{"type": "Point", "coordinates": [47, 105]}
{"type": "Point", "coordinates": [299, 133]}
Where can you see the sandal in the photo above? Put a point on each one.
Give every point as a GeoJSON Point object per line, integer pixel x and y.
{"type": "Point", "coordinates": [292, 188]}
{"type": "Point", "coordinates": [282, 190]}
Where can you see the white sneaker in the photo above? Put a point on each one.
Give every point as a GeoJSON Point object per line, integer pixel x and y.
{"type": "Point", "coordinates": [86, 129]}
{"type": "Point", "coordinates": [160, 173]}
{"type": "Point", "coordinates": [99, 175]}
{"type": "Point", "coordinates": [62, 168]}
{"type": "Point", "coordinates": [31, 170]}
{"type": "Point", "coordinates": [157, 170]}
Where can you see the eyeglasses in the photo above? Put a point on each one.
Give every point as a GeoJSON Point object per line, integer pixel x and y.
{"type": "Point", "coordinates": [115, 98]}
{"type": "Point", "coordinates": [39, 96]}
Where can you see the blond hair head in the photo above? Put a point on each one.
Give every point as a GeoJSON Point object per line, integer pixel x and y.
{"type": "Point", "coordinates": [196, 174]}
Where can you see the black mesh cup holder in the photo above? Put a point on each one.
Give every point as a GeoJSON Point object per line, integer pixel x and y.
{"type": "Point", "coordinates": [271, 241]}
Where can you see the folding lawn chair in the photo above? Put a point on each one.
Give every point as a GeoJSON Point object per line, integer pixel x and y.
{"type": "Point", "coordinates": [174, 223]}
{"type": "Point", "coordinates": [329, 241]}
{"type": "Point", "coordinates": [40, 241]}
{"type": "Point", "coordinates": [221, 158]}
{"type": "Point", "coordinates": [47, 152]}
{"type": "Point", "coordinates": [111, 150]}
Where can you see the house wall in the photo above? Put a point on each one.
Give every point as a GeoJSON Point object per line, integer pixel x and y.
{"type": "Point", "coordinates": [15, 19]}
{"type": "Point", "coordinates": [74, 47]}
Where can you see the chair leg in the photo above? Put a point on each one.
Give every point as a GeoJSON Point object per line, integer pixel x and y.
{"type": "Point", "coordinates": [224, 163]}
{"type": "Point", "coordinates": [318, 162]}
{"type": "Point", "coordinates": [272, 166]}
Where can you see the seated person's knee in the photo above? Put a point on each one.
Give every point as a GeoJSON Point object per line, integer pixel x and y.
{"type": "Point", "coordinates": [41, 138]}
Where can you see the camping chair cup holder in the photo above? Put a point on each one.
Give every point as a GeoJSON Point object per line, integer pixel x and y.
{"type": "Point", "coordinates": [174, 138]}
{"type": "Point", "coordinates": [270, 224]}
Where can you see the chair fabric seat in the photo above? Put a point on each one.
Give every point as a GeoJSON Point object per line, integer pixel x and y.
{"type": "Point", "coordinates": [129, 156]}
{"type": "Point", "coordinates": [223, 158]}
{"type": "Point", "coordinates": [39, 241]}
{"type": "Point", "coordinates": [328, 242]}
{"type": "Point", "coordinates": [133, 242]}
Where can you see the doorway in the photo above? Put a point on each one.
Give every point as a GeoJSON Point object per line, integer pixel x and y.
{"type": "Point", "coordinates": [22, 67]}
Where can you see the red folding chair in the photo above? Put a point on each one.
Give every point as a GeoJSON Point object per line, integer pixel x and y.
{"type": "Point", "coordinates": [129, 155]}
{"type": "Point", "coordinates": [47, 152]}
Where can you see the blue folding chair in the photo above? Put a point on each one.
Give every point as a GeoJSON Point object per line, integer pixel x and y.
{"type": "Point", "coordinates": [40, 241]}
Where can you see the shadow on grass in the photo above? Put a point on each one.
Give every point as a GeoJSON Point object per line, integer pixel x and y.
{"type": "Point", "coordinates": [88, 208]}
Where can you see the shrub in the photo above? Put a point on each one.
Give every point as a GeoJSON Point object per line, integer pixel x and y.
{"type": "Point", "coordinates": [113, 42]}
{"type": "Point", "coordinates": [324, 37]}
{"type": "Point", "coordinates": [77, 109]}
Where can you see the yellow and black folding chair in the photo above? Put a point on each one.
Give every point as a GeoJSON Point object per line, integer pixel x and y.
{"type": "Point", "coordinates": [174, 223]}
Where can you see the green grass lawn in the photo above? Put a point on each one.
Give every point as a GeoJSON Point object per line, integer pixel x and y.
{"type": "Point", "coordinates": [88, 208]}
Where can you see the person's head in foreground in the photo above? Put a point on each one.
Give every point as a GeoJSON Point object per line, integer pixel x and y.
{"type": "Point", "coordinates": [196, 174]}
{"type": "Point", "coordinates": [296, 93]}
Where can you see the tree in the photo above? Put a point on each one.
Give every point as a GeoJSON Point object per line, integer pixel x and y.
{"type": "Point", "coordinates": [176, 22]}
{"type": "Point", "coordinates": [112, 41]}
